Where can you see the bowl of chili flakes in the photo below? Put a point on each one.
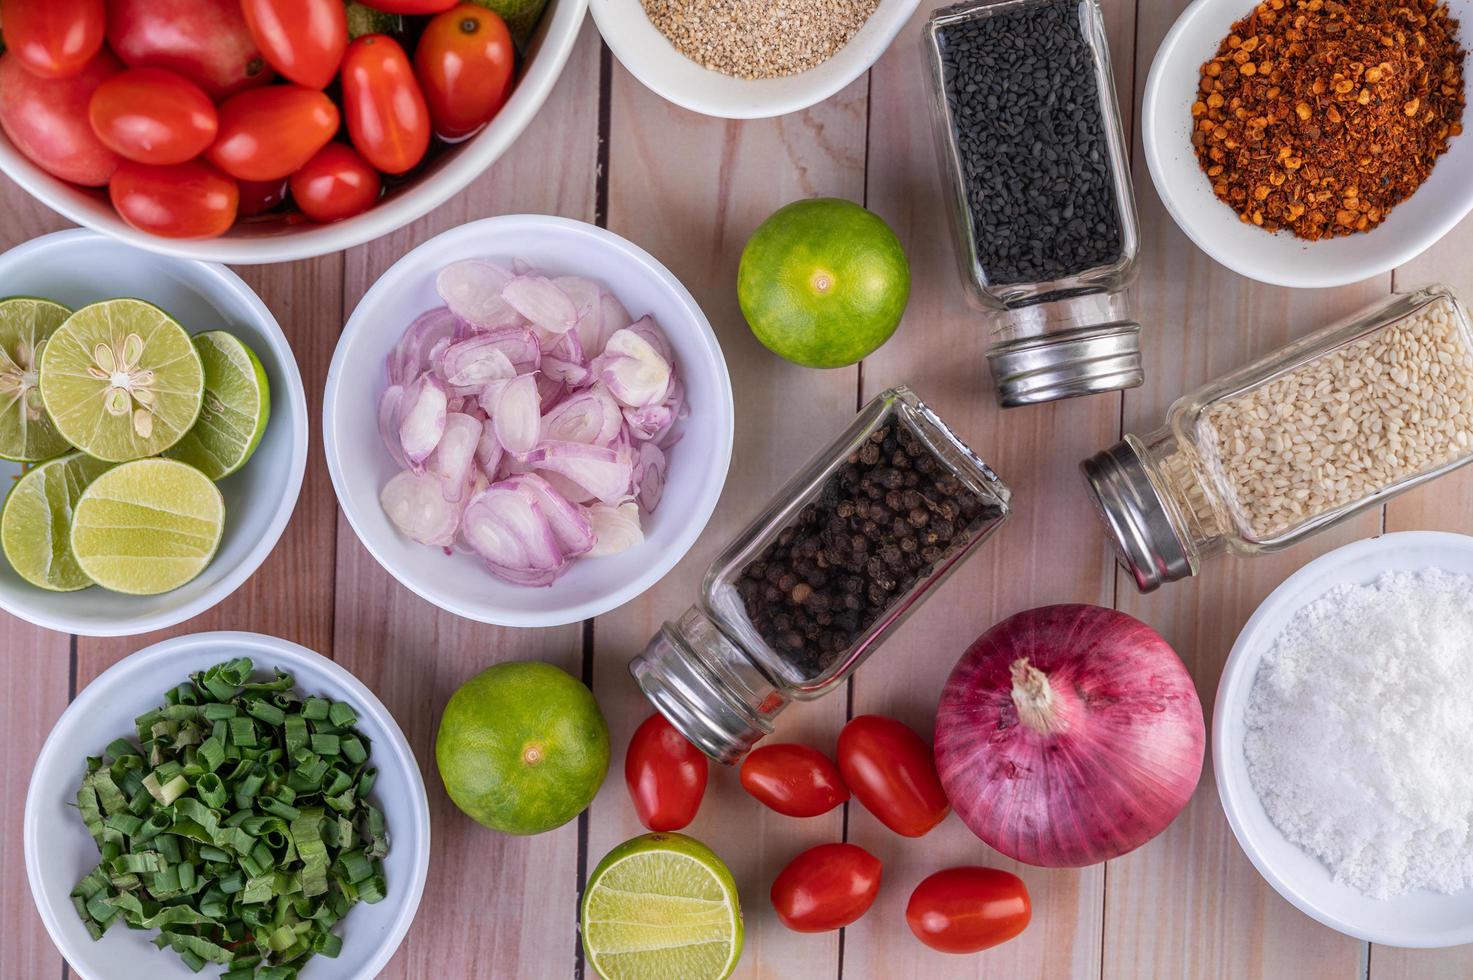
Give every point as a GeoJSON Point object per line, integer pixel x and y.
{"type": "Point", "coordinates": [1392, 193]}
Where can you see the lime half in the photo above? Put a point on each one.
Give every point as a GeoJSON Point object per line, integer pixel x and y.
{"type": "Point", "coordinates": [661, 906]}
{"type": "Point", "coordinates": [26, 431]}
{"type": "Point", "coordinates": [148, 526]}
{"type": "Point", "coordinates": [36, 526]}
{"type": "Point", "coordinates": [122, 380]}
{"type": "Point", "coordinates": [237, 403]}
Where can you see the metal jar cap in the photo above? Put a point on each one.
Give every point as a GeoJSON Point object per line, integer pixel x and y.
{"type": "Point", "coordinates": [1084, 361]}
{"type": "Point", "coordinates": [1147, 541]}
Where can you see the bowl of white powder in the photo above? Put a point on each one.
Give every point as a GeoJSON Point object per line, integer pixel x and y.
{"type": "Point", "coordinates": [1343, 739]}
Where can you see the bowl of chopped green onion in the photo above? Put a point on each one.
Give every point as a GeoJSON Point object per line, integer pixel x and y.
{"type": "Point", "coordinates": [227, 802]}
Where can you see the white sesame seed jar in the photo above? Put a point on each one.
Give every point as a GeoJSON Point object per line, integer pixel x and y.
{"type": "Point", "coordinates": [1339, 421]}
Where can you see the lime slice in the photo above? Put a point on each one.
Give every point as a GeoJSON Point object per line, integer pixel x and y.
{"type": "Point", "coordinates": [36, 526]}
{"type": "Point", "coordinates": [661, 906]}
{"type": "Point", "coordinates": [121, 380]}
{"type": "Point", "coordinates": [148, 526]}
{"type": "Point", "coordinates": [26, 431]}
{"type": "Point", "coordinates": [237, 403]}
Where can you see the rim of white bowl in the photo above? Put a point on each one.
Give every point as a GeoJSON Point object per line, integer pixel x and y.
{"type": "Point", "coordinates": [467, 162]}
{"type": "Point", "coordinates": [636, 61]}
{"type": "Point", "coordinates": [484, 232]}
{"type": "Point", "coordinates": [296, 396]}
{"type": "Point", "coordinates": [1238, 663]}
{"type": "Point", "coordinates": [275, 651]}
{"type": "Point", "coordinates": [1269, 274]}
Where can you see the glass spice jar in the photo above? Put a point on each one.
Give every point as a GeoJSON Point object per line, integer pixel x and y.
{"type": "Point", "coordinates": [1294, 442]}
{"type": "Point", "coordinates": [847, 549]}
{"type": "Point", "coordinates": [1033, 157]}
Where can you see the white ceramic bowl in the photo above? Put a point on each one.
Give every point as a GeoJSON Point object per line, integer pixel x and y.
{"type": "Point", "coordinates": [79, 267]}
{"type": "Point", "coordinates": [1420, 918]}
{"type": "Point", "coordinates": [59, 850]}
{"type": "Point", "coordinates": [1281, 259]}
{"type": "Point", "coordinates": [651, 58]}
{"type": "Point", "coordinates": [360, 465]}
{"type": "Point", "coordinates": [276, 240]}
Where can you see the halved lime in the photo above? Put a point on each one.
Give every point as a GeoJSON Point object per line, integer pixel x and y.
{"type": "Point", "coordinates": [36, 526]}
{"type": "Point", "coordinates": [661, 906]}
{"type": "Point", "coordinates": [148, 526]}
{"type": "Point", "coordinates": [122, 380]}
{"type": "Point", "coordinates": [26, 431]}
{"type": "Point", "coordinates": [237, 403]}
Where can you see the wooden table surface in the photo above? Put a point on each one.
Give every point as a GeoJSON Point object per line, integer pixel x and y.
{"type": "Point", "coordinates": [690, 190]}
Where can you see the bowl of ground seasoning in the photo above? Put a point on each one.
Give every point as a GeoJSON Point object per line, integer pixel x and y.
{"type": "Point", "coordinates": [749, 59]}
{"type": "Point", "coordinates": [1312, 143]}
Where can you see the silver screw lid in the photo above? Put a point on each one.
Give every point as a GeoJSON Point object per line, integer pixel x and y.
{"type": "Point", "coordinates": [1083, 361]}
{"type": "Point", "coordinates": [1145, 538]}
{"type": "Point", "coordinates": [702, 704]}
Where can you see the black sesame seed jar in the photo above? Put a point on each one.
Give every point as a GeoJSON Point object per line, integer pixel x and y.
{"type": "Point", "coordinates": [1033, 154]}
{"type": "Point", "coordinates": [852, 544]}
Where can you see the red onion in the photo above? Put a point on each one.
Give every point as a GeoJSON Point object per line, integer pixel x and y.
{"type": "Point", "coordinates": [1069, 735]}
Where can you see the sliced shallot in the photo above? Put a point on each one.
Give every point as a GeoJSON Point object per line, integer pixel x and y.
{"type": "Point", "coordinates": [517, 416]}
{"type": "Point", "coordinates": [570, 525]}
{"type": "Point", "coordinates": [542, 301]}
{"type": "Point", "coordinates": [417, 506]}
{"type": "Point", "coordinates": [454, 457]}
{"type": "Point", "coordinates": [411, 355]}
{"type": "Point", "coordinates": [509, 531]}
{"type": "Point", "coordinates": [422, 418]}
{"type": "Point", "coordinates": [633, 369]}
{"type": "Point", "coordinates": [472, 288]}
{"type": "Point", "coordinates": [650, 475]}
{"type": "Point", "coordinates": [615, 528]}
{"type": "Point", "coordinates": [603, 472]}
{"type": "Point", "coordinates": [476, 361]}
{"type": "Point", "coordinates": [591, 416]}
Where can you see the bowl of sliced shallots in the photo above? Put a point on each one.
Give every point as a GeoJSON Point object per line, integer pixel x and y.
{"type": "Point", "coordinates": [528, 421]}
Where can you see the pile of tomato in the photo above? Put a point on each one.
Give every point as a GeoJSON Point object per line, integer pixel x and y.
{"type": "Point", "coordinates": [890, 770]}
{"type": "Point", "coordinates": [196, 113]}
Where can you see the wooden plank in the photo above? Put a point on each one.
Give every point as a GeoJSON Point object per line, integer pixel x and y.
{"type": "Point", "coordinates": [34, 673]}
{"type": "Point", "coordinates": [1035, 559]}
{"type": "Point", "coordinates": [495, 905]}
{"type": "Point", "coordinates": [1446, 505]}
{"type": "Point", "coordinates": [691, 190]}
{"type": "Point", "coordinates": [1189, 903]}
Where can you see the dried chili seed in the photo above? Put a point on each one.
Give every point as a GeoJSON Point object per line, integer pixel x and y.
{"type": "Point", "coordinates": [1343, 115]}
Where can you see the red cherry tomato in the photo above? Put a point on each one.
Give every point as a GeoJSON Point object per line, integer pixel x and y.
{"type": "Point", "coordinates": [794, 780]}
{"type": "Point", "coordinates": [386, 112]}
{"type": "Point", "coordinates": [46, 119]}
{"type": "Point", "coordinates": [269, 133]}
{"type": "Point", "coordinates": [206, 41]}
{"type": "Point", "coordinates": [335, 184]}
{"type": "Point", "coordinates": [893, 773]}
{"type": "Point", "coordinates": [666, 775]}
{"type": "Point", "coordinates": [187, 200]}
{"type": "Point", "coordinates": [302, 39]}
{"type": "Point", "coordinates": [260, 196]}
{"type": "Point", "coordinates": [464, 63]}
{"type": "Point", "coordinates": [153, 116]}
{"type": "Point", "coordinates": [966, 910]}
{"type": "Point", "coordinates": [55, 38]}
{"type": "Point", "coordinates": [410, 6]}
{"type": "Point", "coordinates": [826, 887]}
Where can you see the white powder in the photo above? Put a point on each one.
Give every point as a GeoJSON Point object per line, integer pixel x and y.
{"type": "Point", "coordinates": [1360, 732]}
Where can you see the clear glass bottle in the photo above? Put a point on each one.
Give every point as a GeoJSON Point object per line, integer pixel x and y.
{"type": "Point", "coordinates": [1056, 308]}
{"type": "Point", "coordinates": [854, 542]}
{"type": "Point", "coordinates": [1296, 441]}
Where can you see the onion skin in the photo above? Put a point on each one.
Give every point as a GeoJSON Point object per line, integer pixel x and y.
{"type": "Point", "coordinates": [1068, 735]}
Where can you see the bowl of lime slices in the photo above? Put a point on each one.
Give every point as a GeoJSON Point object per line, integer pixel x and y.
{"type": "Point", "coordinates": [153, 435]}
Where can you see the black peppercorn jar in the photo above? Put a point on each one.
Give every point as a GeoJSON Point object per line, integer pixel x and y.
{"type": "Point", "coordinates": [852, 544]}
{"type": "Point", "coordinates": [1033, 156]}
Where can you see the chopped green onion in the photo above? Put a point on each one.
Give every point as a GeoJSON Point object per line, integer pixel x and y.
{"type": "Point", "coordinates": [237, 825]}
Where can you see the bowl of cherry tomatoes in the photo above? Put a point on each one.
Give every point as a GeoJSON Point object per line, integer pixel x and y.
{"type": "Point", "coordinates": [253, 131]}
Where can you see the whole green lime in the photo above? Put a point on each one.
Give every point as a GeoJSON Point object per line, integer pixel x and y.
{"type": "Point", "coordinates": [522, 747]}
{"type": "Point", "coordinates": [823, 283]}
